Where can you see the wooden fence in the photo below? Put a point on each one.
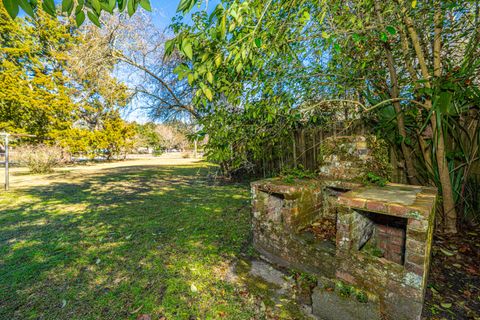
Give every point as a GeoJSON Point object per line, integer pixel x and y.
{"type": "Point", "coordinates": [302, 148]}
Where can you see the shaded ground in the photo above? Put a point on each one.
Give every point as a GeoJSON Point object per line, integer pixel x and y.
{"type": "Point", "coordinates": [145, 237]}
{"type": "Point", "coordinates": [454, 283]}
{"type": "Point", "coordinates": [119, 241]}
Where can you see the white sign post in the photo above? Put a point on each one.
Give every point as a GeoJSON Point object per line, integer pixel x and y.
{"type": "Point", "coordinates": [6, 138]}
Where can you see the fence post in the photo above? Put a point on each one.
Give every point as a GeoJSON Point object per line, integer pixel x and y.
{"type": "Point", "coordinates": [7, 180]}
{"type": "Point", "coordinates": [195, 148]}
{"type": "Point", "coordinates": [303, 148]}
{"type": "Point", "coordinates": [294, 150]}
{"type": "Point", "coordinates": [314, 148]}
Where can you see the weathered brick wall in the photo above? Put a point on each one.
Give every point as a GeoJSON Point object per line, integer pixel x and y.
{"type": "Point", "coordinates": [391, 240]}
{"type": "Point", "coordinates": [400, 286]}
{"type": "Point", "coordinates": [363, 229]}
{"type": "Point", "coordinates": [280, 211]}
{"type": "Point", "coordinates": [344, 157]}
{"type": "Point", "coordinates": [401, 228]}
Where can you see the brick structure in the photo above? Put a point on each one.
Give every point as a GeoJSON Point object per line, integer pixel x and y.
{"type": "Point", "coordinates": [390, 238]}
{"type": "Point", "coordinates": [382, 244]}
{"type": "Point", "coordinates": [403, 230]}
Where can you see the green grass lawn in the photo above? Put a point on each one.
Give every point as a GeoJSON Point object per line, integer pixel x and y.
{"type": "Point", "coordinates": [118, 243]}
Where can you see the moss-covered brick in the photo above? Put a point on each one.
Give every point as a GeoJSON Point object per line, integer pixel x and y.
{"type": "Point", "coordinates": [398, 210]}
{"type": "Point", "coordinates": [418, 259]}
{"type": "Point", "coordinates": [420, 236]}
{"type": "Point", "coordinates": [415, 246]}
{"type": "Point", "coordinates": [397, 220]}
{"type": "Point", "coordinates": [418, 225]}
{"type": "Point", "coordinates": [376, 206]}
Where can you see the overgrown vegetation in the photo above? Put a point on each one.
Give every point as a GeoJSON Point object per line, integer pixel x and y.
{"type": "Point", "coordinates": [39, 158]}
{"type": "Point", "coordinates": [411, 69]}
{"type": "Point", "coordinates": [289, 175]}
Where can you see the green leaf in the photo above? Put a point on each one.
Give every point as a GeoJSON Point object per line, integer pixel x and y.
{"type": "Point", "coordinates": [218, 60]}
{"type": "Point", "coordinates": [217, 12]}
{"type": "Point", "coordinates": [190, 78]}
{"type": "Point", "coordinates": [122, 4]}
{"type": "Point", "coordinates": [391, 30]}
{"type": "Point", "coordinates": [306, 15]}
{"type": "Point", "coordinates": [131, 7]}
{"type": "Point", "coordinates": [49, 7]}
{"type": "Point", "coordinates": [12, 8]}
{"type": "Point", "coordinates": [112, 4]}
{"type": "Point", "coordinates": [187, 48]}
{"type": "Point", "coordinates": [93, 17]}
{"type": "Point", "coordinates": [96, 6]}
{"type": "Point", "coordinates": [106, 6]}
{"type": "Point", "coordinates": [145, 4]}
{"type": "Point", "coordinates": [243, 53]}
{"type": "Point", "coordinates": [336, 46]}
{"type": "Point", "coordinates": [185, 5]}
{"type": "Point", "coordinates": [223, 26]}
{"type": "Point", "coordinates": [446, 305]}
{"type": "Point", "coordinates": [443, 101]}
{"type": "Point", "coordinates": [447, 253]}
{"type": "Point", "coordinates": [27, 7]}
{"type": "Point", "coordinates": [79, 18]}
{"type": "Point", "coordinates": [325, 35]}
{"type": "Point", "coordinates": [169, 45]}
{"type": "Point", "coordinates": [181, 70]}
{"type": "Point", "coordinates": [209, 77]}
{"type": "Point", "coordinates": [383, 36]}
{"type": "Point", "coordinates": [67, 5]}
{"type": "Point", "coordinates": [239, 67]}
{"type": "Point", "coordinates": [208, 93]}
{"type": "Point", "coordinates": [258, 42]}
{"type": "Point", "coordinates": [79, 6]}
{"type": "Point", "coordinates": [356, 37]}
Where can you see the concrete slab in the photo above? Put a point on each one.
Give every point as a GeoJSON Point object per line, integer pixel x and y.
{"type": "Point", "coordinates": [404, 195]}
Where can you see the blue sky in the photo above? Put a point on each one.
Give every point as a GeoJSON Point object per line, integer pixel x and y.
{"type": "Point", "coordinates": [162, 13]}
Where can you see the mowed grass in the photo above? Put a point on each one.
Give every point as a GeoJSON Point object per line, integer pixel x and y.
{"type": "Point", "coordinates": [121, 242]}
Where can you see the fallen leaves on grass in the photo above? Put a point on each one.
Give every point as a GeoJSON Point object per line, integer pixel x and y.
{"type": "Point", "coordinates": [454, 282]}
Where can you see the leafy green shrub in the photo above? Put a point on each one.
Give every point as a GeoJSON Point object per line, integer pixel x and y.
{"type": "Point", "coordinates": [158, 152]}
{"type": "Point", "coordinates": [344, 290]}
{"type": "Point", "coordinates": [361, 297]}
{"type": "Point", "coordinates": [39, 158]}
{"type": "Point", "coordinates": [372, 178]}
{"type": "Point", "coordinates": [289, 175]}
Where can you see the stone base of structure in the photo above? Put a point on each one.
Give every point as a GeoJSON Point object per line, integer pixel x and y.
{"type": "Point", "coordinates": [377, 264]}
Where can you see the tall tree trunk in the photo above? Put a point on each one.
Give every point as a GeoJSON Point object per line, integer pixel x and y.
{"type": "Point", "coordinates": [443, 171]}
{"type": "Point", "coordinates": [424, 148]}
{"type": "Point", "coordinates": [394, 94]}
{"type": "Point", "coordinates": [449, 210]}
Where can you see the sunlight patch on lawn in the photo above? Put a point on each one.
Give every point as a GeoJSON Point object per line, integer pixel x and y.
{"type": "Point", "coordinates": [112, 241]}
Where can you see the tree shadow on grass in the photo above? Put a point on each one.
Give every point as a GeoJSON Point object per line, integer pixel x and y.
{"type": "Point", "coordinates": [123, 241]}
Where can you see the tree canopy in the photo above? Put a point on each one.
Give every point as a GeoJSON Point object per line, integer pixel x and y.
{"type": "Point", "coordinates": [412, 68]}
{"type": "Point", "coordinates": [45, 92]}
{"type": "Point", "coordinates": [251, 72]}
{"type": "Point", "coordinates": [78, 10]}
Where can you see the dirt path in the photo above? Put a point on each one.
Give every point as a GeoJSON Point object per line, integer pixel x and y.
{"type": "Point", "coordinates": [20, 177]}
